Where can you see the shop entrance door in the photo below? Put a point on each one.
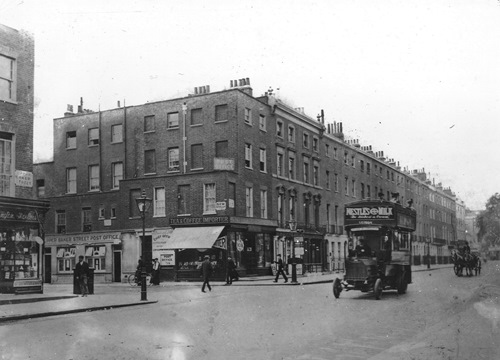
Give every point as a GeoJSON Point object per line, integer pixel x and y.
{"type": "Point", "coordinates": [117, 266]}
{"type": "Point", "coordinates": [47, 273]}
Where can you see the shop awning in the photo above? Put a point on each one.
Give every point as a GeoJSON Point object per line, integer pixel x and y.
{"type": "Point", "coordinates": [194, 237]}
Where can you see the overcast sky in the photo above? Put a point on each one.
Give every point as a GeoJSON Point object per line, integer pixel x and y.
{"type": "Point", "coordinates": [419, 80]}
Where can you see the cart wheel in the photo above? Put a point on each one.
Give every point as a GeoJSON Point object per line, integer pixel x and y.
{"type": "Point", "coordinates": [131, 280]}
{"type": "Point", "coordinates": [377, 288]}
{"type": "Point", "coordinates": [456, 270]}
{"type": "Point", "coordinates": [402, 284]}
{"type": "Point", "coordinates": [337, 288]}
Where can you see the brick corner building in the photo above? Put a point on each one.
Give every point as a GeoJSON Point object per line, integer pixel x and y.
{"type": "Point", "coordinates": [21, 213]}
{"type": "Point", "coordinates": [227, 173]}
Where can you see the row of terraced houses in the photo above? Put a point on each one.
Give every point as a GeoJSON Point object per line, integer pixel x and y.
{"type": "Point", "coordinates": [227, 173]}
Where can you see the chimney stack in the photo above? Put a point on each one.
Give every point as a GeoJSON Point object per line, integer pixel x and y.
{"type": "Point", "coordinates": [80, 107]}
{"type": "Point", "coordinates": [69, 110]}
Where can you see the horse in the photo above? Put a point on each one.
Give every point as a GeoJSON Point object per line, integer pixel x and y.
{"type": "Point", "coordinates": [474, 264]}
{"type": "Point", "coordinates": [458, 263]}
{"type": "Point", "coordinates": [468, 261]}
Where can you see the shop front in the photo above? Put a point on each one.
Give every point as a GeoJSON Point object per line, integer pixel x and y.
{"type": "Point", "coordinates": [310, 250]}
{"type": "Point", "coordinates": [183, 250]}
{"type": "Point", "coordinates": [21, 245]}
{"type": "Point", "coordinates": [289, 244]}
{"type": "Point", "coordinates": [315, 253]}
{"type": "Point", "coordinates": [98, 248]}
{"type": "Point", "coordinates": [337, 251]}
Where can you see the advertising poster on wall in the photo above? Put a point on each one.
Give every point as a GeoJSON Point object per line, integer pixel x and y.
{"type": "Point", "coordinates": [159, 247]}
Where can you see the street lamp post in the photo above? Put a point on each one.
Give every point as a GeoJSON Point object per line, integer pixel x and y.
{"type": "Point", "coordinates": [293, 227]}
{"type": "Point", "coordinates": [143, 204]}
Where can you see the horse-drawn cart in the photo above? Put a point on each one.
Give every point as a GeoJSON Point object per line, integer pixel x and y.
{"type": "Point", "coordinates": [470, 261]}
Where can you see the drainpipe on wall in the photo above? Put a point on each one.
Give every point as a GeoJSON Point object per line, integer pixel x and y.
{"type": "Point", "coordinates": [184, 138]}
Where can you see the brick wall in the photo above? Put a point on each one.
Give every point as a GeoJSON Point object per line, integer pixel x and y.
{"type": "Point", "coordinates": [17, 116]}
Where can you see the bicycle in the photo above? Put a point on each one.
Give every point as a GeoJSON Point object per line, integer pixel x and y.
{"type": "Point", "coordinates": [133, 280]}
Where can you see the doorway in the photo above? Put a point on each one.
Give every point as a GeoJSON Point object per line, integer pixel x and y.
{"type": "Point", "coordinates": [117, 266]}
{"type": "Point", "coordinates": [47, 272]}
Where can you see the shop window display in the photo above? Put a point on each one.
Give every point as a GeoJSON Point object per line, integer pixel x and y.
{"type": "Point", "coordinates": [96, 257]}
{"type": "Point", "coordinates": [19, 254]}
{"type": "Point", "coordinates": [66, 259]}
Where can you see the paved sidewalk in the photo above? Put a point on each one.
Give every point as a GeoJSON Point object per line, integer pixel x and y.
{"type": "Point", "coordinates": [58, 299]}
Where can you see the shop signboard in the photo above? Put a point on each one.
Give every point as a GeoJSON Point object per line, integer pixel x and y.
{"type": "Point", "coordinates": [167, 258]}
{"type": "Point", "coordinates": [221, 243]}
{"type": "Point", "coordinates": [223, 164]}
{"type": "Point", "coordinates": [299, 245]}
{"type": "Point", "coordinates": [23, 178]}
{"type": "Point", "coordinates": [159, 243]}
{"type": "Point", "coordinates": [23, 283]}
{"type": "Point", "coordinates": [199, 220]}
{"type": "Point", "coordinates": [220, 205]}
{"type": "Point", "coordinates": [299, 251]}
{"type": "Point", "coordinates": [111, 237]}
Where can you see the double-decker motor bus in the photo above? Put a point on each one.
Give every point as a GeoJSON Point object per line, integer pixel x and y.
{"type": "Point", "coordinates": [380, 239]}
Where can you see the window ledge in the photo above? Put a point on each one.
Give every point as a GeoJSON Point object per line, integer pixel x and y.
{"type": "Point", "coordinates": [221, 121]}
{"type": "Point", "coordinates": [10, 101]}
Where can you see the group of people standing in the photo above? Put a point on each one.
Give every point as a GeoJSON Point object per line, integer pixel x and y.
{"type": "Point", "coordinates": [155, 271]}
{"type": "Point", "coordinates": [207, 270]}
{"type": "Point", "coordinates": [82, 272]}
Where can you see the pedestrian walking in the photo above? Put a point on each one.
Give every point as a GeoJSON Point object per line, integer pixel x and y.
{"type": "Point", "coordinates": [279, 269]}
{"type": "Point", "coordinates": [82, 273]}
{"type": "Point", "coordinates": [155, 275]}
{"type": "Point", "coordinates": [231, 269]}
{"type": "Point", "coordinates": [206, 271]}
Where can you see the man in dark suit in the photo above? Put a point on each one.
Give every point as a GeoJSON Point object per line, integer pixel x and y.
{"type": "Point", "coordinates": [231, 269]}
{"type": "Point", "coordinates": [279, 269]}
{"type": "Point", "coordinates": [362, 249]}
{"type": "Point", "coordinates": [82, 273]}
{"type": "Point", "coordinates": [206, 271]}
